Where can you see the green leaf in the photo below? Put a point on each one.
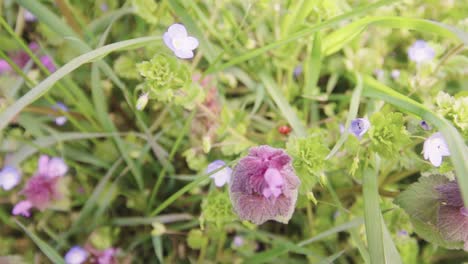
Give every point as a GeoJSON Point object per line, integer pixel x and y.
{"type": "Point", "coordinates": [372, 216]}
{"type": "Point", "coordinates": [51, 253]}
{"type": "Point", "coordinates": [420, 200]}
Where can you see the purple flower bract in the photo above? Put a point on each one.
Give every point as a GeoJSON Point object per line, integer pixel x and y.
{"type": "Point", "coordinates": [264, 186]}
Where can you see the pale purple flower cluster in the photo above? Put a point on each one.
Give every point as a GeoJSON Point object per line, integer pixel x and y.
{"type": "Point", "coordinates": [420, 52]}
{"type": "Point", "coordinates": [452, 215]}
{"type": "Point", "coordinates": [264, 186]}
{"type": "Point", "coordinates": [42, 189]}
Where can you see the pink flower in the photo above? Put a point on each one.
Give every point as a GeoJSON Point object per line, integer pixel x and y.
{"type": "Point", "coordinates": [40, 191]}
{"type": "Point", "coordinates": [48, 63]}
{"type": "Point", "coordinates": [264, 186]}
{"type": "Point", "coordinates": [51, 167]}
{"type": "Point", "coordinates": [22, 208]}
{"type": "Point", "coordinates": [106, 256]}
{"type": "Point", "coordinates": [42, 188]}
{"type": "Point", "coordinates": [4, 66]}
{"type": "Point", "coordinates": [452, 218]}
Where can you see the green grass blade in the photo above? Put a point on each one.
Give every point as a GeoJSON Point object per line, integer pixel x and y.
{"type": "Point", "coordinates": [340, 38]}
{"type": "Point", "coordinates": [332, 258]}
{"type": "Point", "coordinates": [283, 105]}
{"type": "Point", "coordinates": [391, 253]}
{"type": "Point", "coordinates": [51, 253]}
{"type": "Point", "coordinates": [455, 142]}
{"type": "Point", "coordinates": [352, 114]}
{"type": "Point", "coordinates": [44, 142]}
{"type": "Point", "coordinates": [305, 32]}
{"type": "Point", "coordinates": [372, 216]}
{"type": "Point", "coordinates": [157, 246]}
{"type": "Point", "coordinates": [45, 85]}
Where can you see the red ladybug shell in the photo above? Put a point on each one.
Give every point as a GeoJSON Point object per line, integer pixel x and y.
{"type": "Point", "coordinates": [285, 130]}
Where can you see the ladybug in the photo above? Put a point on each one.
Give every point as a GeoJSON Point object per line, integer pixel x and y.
{"type": "Point", "coordinates": [285, 130]}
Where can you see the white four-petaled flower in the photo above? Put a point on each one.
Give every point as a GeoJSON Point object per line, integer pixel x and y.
{"type": "Point", "coordinates": [220, 177]}
{"type": "Point", "coordinates": [435, 148]}
{"type": "Point", "coordinates": [179, 42]}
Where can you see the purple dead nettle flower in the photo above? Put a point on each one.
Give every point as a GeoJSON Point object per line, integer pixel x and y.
{"type": "Point", "coordinates": [452, 218]}
{"type": "Point", "coordinates": [4, 66]}
{"type": "Point", "coordinates": [420, 52]}
{"type": "Point", "coordinates": [424, 125]}
{"type": "Point", "coordinates": [29, 17]}
{"type": "Point", "coordinates": [42, 188]}
{"type": "Point", "coordinates": [179, 42]}
{"type": "Point", "coordinates": [359, 127]}
{"type": "Point", "coordinates": [9, 178]}
{"type": "Point", "coordinates": [435, 148]}
{"type": "Point", "coordinates": [264, 186]}
{"type": "Point", "coordinates": [48, 63]}
{"type": "Point", "coordinates": [76, 255]}
{"type": "Point", "coordinates": [220, 177]}
{"type": "Point", "coordinates": [60, 120]}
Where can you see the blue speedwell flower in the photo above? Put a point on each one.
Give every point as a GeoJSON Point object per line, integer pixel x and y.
{"type": "Point", "coordinates": [76, 255]}
{"type": "Point", "coordinates": [179, 42]}
{"type": "Point", "coordinates": [220, 177]}
{"type": "Point", "coordinates": [420, 52]}
{"type": "Point", "coordinates": [435, 148]}
{"type": "Point", "coordinates": [9, 178]}
{"type": "Point", "coordinates": [359, 127]}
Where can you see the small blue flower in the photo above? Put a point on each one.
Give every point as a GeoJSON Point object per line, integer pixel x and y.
{"type": "Point", "coordinates": [297, 71]}
{"type": "Point", "coordinates": [60, 120]}
{"type": "Point", "coordinates": [76, 255]}
{"type": "Point", "coordinates": [359, 127]}
{"type": "Point", "coordinates": [221, 177]}
{"type": "Point", "coordinates": [9, 178]}
{"type": "Point", "coordinates": [424, 125]}
{"type": "Point", "coordinates": [420, 52]}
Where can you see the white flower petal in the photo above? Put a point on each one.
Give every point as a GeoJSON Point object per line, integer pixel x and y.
{"type": "Point", "coordinates": [184, 54]}
{"type": "Point", "coordinates": [435, 159]}
{"type": "Point", "coordinates": [191, 43]}
{"type": "Point", "coordinates": [168, 41]}
{"type": "Point", "coordinates": [177, 31]}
